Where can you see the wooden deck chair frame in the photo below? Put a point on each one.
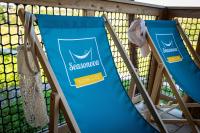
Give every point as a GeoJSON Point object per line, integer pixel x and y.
{"type": "Point", "coordinates": [163, 71]}
{"type": "Point", "coordinates": [59, 101]}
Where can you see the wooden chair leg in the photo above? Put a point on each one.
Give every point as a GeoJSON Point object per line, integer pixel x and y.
{"type": "Point", "coordinates": [54, 112]}
{"type": "Point", "coordinates": [155, 95]}
{"type": "Point", "coordinates": [181, 103]}
{"type": "Point", "coordinates": [152, 73]}
{"type": "Point", "coordinates": [132, 89]}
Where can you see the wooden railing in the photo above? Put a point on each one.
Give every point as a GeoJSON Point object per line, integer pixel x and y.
{"type": "Point", "coordinates": [120, 12]}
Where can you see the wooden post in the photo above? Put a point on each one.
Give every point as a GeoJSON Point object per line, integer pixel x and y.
{"type": "Point", "coordinates": [154, 67]}
{"type": "Point", "coordinates": [152, 74]}
{"type": "Point", "coordinates": [198, 45]}
{"type": "Point", "coordinates": [157, 83]}
{"type": "Point", "coordinates": [88, 12]}
{"type": "Point", "coordinates": [133, 58]}
{"type": "Point", "coordinates": [54, 112]}
{"type": "Point", "coordinates": [164, 14]}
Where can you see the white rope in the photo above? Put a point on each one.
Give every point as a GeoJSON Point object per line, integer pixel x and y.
{"type": "Point", "coordinates": [30, 80]}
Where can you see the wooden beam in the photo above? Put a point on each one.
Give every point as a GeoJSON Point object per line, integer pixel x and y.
{"type": "Point", "coordinates": [155, 59]}
{"type": "Point", "coordinates": [133, 58]}
{"type": "Point", "coordinates": [167, 98]}
{"type": "Point", "coordinates": [154, 64]}
{"type": "Point", "coordinates": [54, 112]}
{"type": "Point", "coordinates": [138, 3]}
{"type": "Point", "coordinates": [198, 45]}
{"type": "Point", "coordinates": [183, 121]}
{"type": "Point", "coordinates": [164, 14]}
{"type": "Point", "coordinates": [193, 105]}
{"type": "Point", "coordinates": [191, 12]}
{"type": "Point", "coordinates": [188, 105]}
{"type": "Point", "coordinates": [97, 5]}
{"type": "Point", "coordinates": [155, 95]}
{"type": "Point", "coordinates": [123, 6]}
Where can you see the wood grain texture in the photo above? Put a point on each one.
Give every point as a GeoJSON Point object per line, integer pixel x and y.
{"type": "Point", "coordinates": [97, 5]}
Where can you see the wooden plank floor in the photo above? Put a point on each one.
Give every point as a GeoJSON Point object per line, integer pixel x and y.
{"type": "Point", "coordinates": [172, 128]}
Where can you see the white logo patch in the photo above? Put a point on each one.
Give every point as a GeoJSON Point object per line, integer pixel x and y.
{"type": "Point", "coordinates": [81, 57]}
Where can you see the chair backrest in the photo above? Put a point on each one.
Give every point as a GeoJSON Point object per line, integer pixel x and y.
{"type": "Point", "coordinates": [175, 55]}
{"type": "Point", "coordinates": [79, 54]}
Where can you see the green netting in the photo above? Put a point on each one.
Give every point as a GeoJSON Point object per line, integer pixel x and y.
{"type": "Point", "coordinates": [11, 33]}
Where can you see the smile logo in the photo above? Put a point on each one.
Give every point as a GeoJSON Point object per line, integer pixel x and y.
{"type": "Point", "coordinates": [167, 44]}
{"type": "Point", "coordinates": [87, 54]}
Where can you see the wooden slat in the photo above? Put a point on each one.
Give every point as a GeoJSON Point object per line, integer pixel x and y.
{"type": "Point", "coordinates": [198, 45]}
{"type": "Point", "coordinates": [167, 98]}
{"type": "Point", "coordinates": [183, 121]}
{"type": "Point", "coordinates": [98, 5]}
{"type": "Point", "coordinates": [188, 105]}
{"type": "Point", "coordinates": [193, 105]}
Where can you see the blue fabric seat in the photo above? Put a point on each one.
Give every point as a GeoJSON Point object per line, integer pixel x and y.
{"type": "Point", "coordinates": [175, 56]}
{"type": "Point", "coordinates": [79, 54]}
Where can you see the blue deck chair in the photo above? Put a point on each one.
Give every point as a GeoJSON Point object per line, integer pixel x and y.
{"type": "Point", "coordinates": [167, 45]}
{"type": "Point", "coordinates": [80, 68]}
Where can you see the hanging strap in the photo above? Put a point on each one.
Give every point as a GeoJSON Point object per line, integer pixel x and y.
{"type": "Point", "coordinates": [29, 44]}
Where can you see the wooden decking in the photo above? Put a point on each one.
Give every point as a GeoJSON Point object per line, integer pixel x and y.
{"type": "Point", "coordinates": [172, 128]}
